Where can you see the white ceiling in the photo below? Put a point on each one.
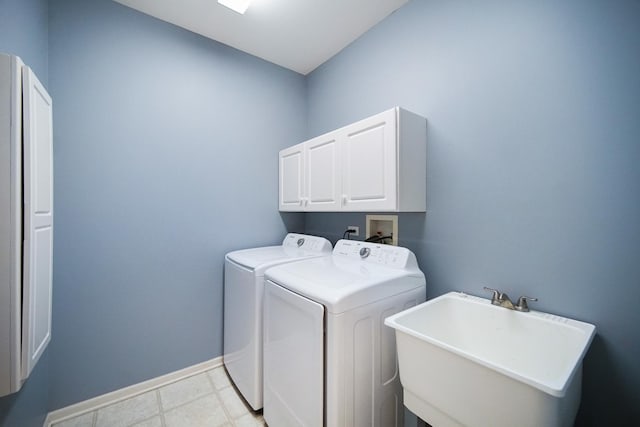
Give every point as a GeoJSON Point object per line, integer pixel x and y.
{"type": "Point", "coordinates": [295, 34]}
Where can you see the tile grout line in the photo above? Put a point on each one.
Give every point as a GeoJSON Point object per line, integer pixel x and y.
{"type": "Point", "coordinates": [160, 408]}
{"type": "Point", "coordinates": [215, 391]}
{"type": "Point", "coordinates": [183, 404]}
{"type": "Point", "coordinates": [248, 410]}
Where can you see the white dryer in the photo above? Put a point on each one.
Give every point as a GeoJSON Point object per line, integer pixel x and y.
{"type": "Point", "coordinates": [329, 360]}
{"type": "Point", "coordinates": [243, 297]}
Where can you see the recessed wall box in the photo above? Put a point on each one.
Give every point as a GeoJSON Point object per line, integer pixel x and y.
{"type": "Point", "coordinates": [383, 226]}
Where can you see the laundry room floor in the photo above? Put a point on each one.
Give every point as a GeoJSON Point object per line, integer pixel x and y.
{"type": "Point", "coordinates": [206, 399]}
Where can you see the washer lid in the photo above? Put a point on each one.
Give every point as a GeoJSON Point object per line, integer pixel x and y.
{"type": "Point", "coordinates": [294, 247]}
{"type": "Point", "coordinates": [342, 283]}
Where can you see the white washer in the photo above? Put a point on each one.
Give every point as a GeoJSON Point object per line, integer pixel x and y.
{"type": "Point", "coordinates": [243, 297]}
{"type": "Point", "coordinates": [328, 358]}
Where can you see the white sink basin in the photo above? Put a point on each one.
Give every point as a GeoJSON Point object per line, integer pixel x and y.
{"type": "Point", "coordinates": [465, 362]}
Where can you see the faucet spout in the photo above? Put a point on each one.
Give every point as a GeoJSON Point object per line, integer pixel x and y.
{"type": "Point", "coordinates": [500, 299]}
{"type": "Point", "coordinates": [505, 301]}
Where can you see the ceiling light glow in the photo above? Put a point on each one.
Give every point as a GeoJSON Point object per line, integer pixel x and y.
{"type": "Point", "coordinates": [239, 6]}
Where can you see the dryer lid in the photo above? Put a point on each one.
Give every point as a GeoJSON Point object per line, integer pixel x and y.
{"type": "Point", "coordinates": [294, 247]}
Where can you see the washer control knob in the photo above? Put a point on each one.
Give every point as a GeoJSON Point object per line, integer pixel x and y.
{"type": "Point", "coordinates": [365, 252]}
{"type": "Point", "coordinates": [300, 242]}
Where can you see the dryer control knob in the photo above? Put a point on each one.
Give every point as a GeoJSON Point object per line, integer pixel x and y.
{"type": "Point", "coordinates": [300, 242]}
{"type": "Point", "coordinates": [365, 252]}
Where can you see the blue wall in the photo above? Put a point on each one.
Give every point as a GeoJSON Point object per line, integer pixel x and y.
{"type": "Point", "coordinates": [165, 159]}
{"type": "Point", "coordinates": [29, 406]}
{"type": "Point", "coordinates": [24, 32]}
{"type": "Point", "coordinates": [533, 154]}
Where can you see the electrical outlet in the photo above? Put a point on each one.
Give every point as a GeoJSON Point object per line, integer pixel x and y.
{"type": "Point", "coordinates": [356, 228]}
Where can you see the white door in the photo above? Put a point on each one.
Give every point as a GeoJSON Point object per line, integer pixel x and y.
{"type": "Point", "coordinates": [291, 185]}
{"type": "Point", "coordinates": [369, 172]}
{"type": "Point", "coordinates": [323, 173]}
{"type": "Point", "coordinates": [38, 220]}
{"type": "Point", "coordinates": [293, 359]}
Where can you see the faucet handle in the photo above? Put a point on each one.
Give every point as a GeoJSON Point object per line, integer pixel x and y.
{"type": "Point", "coordinates": [496, 293]}
{"type": "Point", "coordinates": [522, 305]}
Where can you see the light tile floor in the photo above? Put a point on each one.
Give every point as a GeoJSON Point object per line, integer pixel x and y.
{"type": "Point", "coordinates": [207, 399]}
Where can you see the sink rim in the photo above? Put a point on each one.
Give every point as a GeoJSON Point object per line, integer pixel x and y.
{"type": "Point", "coordinates": [565, 380]}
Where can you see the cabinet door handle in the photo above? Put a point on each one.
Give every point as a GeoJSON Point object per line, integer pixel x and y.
{"type": "Point", "coordinates": [344, 199]}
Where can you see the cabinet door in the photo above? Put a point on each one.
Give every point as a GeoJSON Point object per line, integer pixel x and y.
{"type": "Point", "coordinates": [369, 172]}
{"type": "Point", "coordinates": [291, 185]}
{"type": "Point", "coordinates": [38, 221]}
{"type": "Point", "coordinates": [322, 173]}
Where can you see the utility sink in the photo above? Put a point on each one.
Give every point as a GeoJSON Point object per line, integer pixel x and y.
{"type": "Point", "coordinates": [465, 362]}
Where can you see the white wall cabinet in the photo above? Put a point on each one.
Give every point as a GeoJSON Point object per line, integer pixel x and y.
{"type": "Point", "coordinates": [26, 222]}
{"type": "Point", "coordinates": [375, 164]}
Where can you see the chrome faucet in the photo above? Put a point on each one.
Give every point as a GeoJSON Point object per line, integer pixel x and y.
{"type": "Point", "coordinates": [522, 305]}
{"type": "Point", "coordinates": [501, 299]}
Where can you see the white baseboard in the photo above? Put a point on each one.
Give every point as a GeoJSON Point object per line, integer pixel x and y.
{"type": "Point", "coordinates": [125, 393]}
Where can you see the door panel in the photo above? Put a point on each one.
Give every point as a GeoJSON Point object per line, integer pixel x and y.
{"type": "Point", "coordinates": [369, 175]}
{"type": "Point", "coordinates": [323, 184]}
{"type": "Point", "coordinates": [38, 220]}
{"type": "Point", "coordinates": [293, 359]}
{"type": "Point", "coordinates": [292, 178]}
